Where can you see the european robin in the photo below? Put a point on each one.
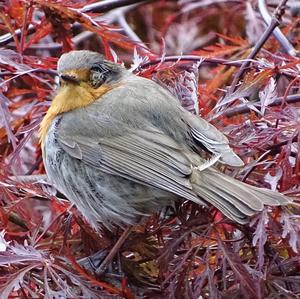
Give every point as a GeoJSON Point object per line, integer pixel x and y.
{"type": "Point", "coordinates": [120, 146]}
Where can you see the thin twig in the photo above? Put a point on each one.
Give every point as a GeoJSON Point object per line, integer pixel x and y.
{"type": "Point", "coordinates": [56, 46]}
{"type": "Point", "coordinates": [286, 45]}
{"type": "Point", "coordinates": [237, 63]}
{"type": "Point", "coordinates": [18, 73]}
{"type": "Point", "coordinates": [29, 178]}
{"type": "Point", "coordinates": [275, 21]}
{"type": "Point", "coordinates": [114, 250]}
{"type": "Point", "coordinates": [14, 218]}
{"type": "Point", "coordinates": [130, 33]}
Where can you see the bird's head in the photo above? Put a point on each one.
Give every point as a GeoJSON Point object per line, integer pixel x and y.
{"type": "Point", "coordinates": [84, 77]}
{"type": "Point", "coordinates": [87, 68]}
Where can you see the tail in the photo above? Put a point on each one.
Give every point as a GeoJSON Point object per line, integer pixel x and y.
{"type": "Point", "coordinates": [233, 198]}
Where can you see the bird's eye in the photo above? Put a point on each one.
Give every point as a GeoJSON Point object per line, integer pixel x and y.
{"type": "Point", "coordinates": [61, 83]}
{"type": "Point", "coordinates": [97, 78]}
{"type": "Point", "coordinates": [69, 79]}
{"type": "Point", "coordinates": [99, 74]}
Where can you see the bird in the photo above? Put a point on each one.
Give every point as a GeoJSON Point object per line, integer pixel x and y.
{"type": "Point", "coordinates": [120, 147]}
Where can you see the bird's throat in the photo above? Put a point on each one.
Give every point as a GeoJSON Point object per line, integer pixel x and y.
{"type": "Point", "coordinates": [68, 98]}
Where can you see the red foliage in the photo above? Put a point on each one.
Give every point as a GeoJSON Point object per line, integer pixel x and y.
{"type": "Point", "coordinates": [183, 252]}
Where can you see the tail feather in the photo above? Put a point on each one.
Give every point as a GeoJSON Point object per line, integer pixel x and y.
{"type": "Point", "coordinates": [226, 207]}
{"type": "Point", "coordinates": [233, 198]}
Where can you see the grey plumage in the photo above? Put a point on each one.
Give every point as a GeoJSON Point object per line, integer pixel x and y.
{"type": "Point", "coordinates": [74, 61]}
{"type": "Point", "coordinates": [135, 149]}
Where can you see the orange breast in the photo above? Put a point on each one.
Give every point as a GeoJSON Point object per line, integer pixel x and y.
{"type": "Point", "coordinates": [68, 98]}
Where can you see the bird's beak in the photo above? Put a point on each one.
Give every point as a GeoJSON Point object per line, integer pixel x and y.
{"type": "Point", "coordinates": [69, 79]}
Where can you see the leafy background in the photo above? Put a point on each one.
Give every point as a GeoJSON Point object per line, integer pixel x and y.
{"type": "Point", "coordinates": [198, 50]}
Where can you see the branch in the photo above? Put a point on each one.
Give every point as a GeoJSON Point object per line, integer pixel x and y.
{"type": "Point", "coordinates": [18, 73]}
{"type": "Point", "coordinates": [242, 109]}
{"type": "Point", "coordinates": [98, 7]}
{"type": "Point", "coordinates": [203, 4]}
{"type": "Point", "coordinates": [8, 37]}
{"type": "Point", "coordinates": [237, 63]}
{"type": "Point", "coordinates": [130, 33]}
{"type": "Point", "coordinates": [16, 219]}
{"type": "Point", "coordinates": [286, 45]}
{"type": "Point", "coordinates": [106, 5]}
{"type": "Point", "coordinates": [275, 21]}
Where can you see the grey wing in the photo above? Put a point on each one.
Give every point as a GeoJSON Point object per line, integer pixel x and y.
{"type": "Point", "coordinates": [212, 139]}
{"type": "Point", "coordinates": [147, 157]}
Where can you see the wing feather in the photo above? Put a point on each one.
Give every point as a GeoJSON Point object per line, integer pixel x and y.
{"type": "Point", "coordinates": [211, 138]}
{"type": "Point", "coordinates": [149, 158]}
